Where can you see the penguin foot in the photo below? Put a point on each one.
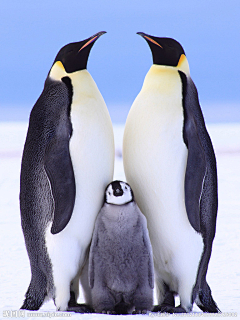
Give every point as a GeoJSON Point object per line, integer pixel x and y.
{"type": "Point", "coordinates": [73, 306]}
{"type": "Point", "coordinates": [163, 307]}
{"type": "Point", "coordinates": [139, 312]}
{"type": "Point", "coordinates": [109, 312]}
{"type": "Point", "coordinates": [81, 308]}
{"type": "Point", "coordinates": [159, 308]}
{"type": "Point", "coordinates": [171, 309]}
{"type": "Point", "coordinates": [168, 302]}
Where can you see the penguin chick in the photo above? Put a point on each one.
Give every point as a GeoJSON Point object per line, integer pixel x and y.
{"type": "Point", "coordinates": [121, 275]}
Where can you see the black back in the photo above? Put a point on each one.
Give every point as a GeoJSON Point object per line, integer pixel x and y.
{"type": "Point", "coordinates": [201, 171]}
{"type": "Point", "coordinates": [201, 195]}
{"type": "Point", "coordinates": [46, 157]}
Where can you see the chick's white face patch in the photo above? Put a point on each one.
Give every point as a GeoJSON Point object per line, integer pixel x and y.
{"type": "Point", "coordinates": [119, 194]}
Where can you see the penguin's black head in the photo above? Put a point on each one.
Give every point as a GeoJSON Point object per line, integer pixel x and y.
{"type": "Point", "coordinates": [118, 193]}
{"type": "Point", "coordinates": [74, 56]}
{"type": "Point", "coordinates": [165, 51]}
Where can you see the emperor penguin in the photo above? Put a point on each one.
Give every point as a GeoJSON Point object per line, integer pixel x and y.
{"type": "Point", "coordinates": [170, 164]}
{"type": "Point", "coordinates": [121, 273]}
{"type": "Point", "coordinates": [67, 162]}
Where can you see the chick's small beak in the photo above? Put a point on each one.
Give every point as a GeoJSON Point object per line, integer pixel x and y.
{"type": "Point", "coordinates": [118, 192]}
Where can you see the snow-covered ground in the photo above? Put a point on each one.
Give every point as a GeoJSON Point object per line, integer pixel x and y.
{"type": "Point", "coordinates": [224, 268]}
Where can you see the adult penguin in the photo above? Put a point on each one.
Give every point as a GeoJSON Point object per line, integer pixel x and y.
{"type": "Point", "coordinates": [68, 160]}
{"type": "Point", "coordinates": [169, 161]}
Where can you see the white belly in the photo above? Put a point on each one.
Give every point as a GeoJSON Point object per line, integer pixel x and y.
{"type": "Point", "coordinates": [92, 154]}
{"type": "Point", "coordinates": [155, 158]}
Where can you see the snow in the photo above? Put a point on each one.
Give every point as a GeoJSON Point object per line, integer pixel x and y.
{"type": "Point", "coordinates": [223, 272]}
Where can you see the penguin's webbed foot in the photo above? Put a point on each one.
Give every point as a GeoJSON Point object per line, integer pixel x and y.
{"type": "Point", "coordinates": [80, 308]}
{"type": "Point", "coordinates": [73, 306]}
{"type": "Point", "coordinates": [169, 309]}
{"type": "Point", "coordinates": [168, 302]}
{"type": "Point", "coordinates": [139, 312]}
{"type": "Point", "coordinates": [161, 307]}
{"type": "Point", "coordinates": [109, 312]}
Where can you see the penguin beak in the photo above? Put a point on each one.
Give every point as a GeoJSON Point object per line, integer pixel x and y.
{"type": "Point", "coordinates": [92, 39]}
{"type": "Point", "coordinates": [148, 38]}
{"type": "Point", "coordinates": [118, 192]}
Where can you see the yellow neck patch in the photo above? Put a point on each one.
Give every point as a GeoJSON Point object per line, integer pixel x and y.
{"type": "Point", "coordinates": [183, 65]}
{"type": "Point", "coordinates": [57, 71]}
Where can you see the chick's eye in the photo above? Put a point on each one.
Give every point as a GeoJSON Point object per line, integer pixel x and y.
{"type": "Point", "coordinates": [125, 188]}
{"type": "Point", "coordinates": [109, 193]}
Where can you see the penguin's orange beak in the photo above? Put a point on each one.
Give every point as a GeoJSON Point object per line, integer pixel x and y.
{"type": "Point", "coordinates": [92, 39]}
{"type": "Point", "coordinates": [147, 37]}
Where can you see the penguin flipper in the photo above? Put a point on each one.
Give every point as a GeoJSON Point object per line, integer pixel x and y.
{"type": "Point", "coordinates": [196, 168]}
{"type": "Point", "coordinates": [59, 170]}
{"type": "Point", "coordinates": [194, 176]}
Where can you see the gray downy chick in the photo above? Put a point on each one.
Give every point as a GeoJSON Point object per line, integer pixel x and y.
{"type": "Point", "coordinates": [121, 275]}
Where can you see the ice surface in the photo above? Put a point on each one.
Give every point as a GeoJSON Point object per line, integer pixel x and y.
{"type": "Point", "coordinates": [224, 268]}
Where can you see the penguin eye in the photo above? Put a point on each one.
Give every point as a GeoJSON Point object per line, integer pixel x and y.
{"type": "Point", "coordinates": [109, 193]}
{"type": "Point", "coordinates": [125, 188]}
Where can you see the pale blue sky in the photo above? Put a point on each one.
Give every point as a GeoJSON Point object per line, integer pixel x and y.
{"type": "Point", "coordinates": [32, 32]}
